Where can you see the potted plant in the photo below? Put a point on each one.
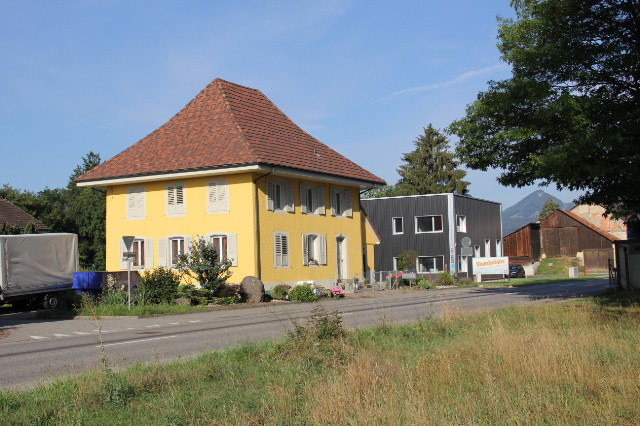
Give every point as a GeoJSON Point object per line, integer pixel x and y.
{"type": "Point", "coordinates": [313, 262]}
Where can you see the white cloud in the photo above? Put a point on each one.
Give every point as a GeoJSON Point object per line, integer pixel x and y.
{"type": "Point", "coordinates": [458, 79]}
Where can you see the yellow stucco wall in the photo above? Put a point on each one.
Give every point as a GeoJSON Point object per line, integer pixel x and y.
{"type": "Point", "coordinates": [297, 224]}
{"type": "Point", "coordinates": [196, 221]}
{"type": "Point", "coordinates": [241, 220]}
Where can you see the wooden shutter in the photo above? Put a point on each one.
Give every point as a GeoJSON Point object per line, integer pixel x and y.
{"type": "Point", "coordinates": [188, 243]}
{"type": "Point", "coordinates": [285, 250]}
{"type": "Point", "coordinates": [277, 250]}
{"type": "Point", "coordinates": [232, 249]}
{"type": "Point", "coordinates": [288, 190]}
{"type": "Point", "coordinates": [305, 249]}
{"type": "Point", "coordinates": [180, 199]}
{"type": "Point", "coordinates": [163, 252]}
{"type": "Point", "coordinates": [332, 195]}
{"type": "Point", "coordinates": [148, 253]}
{"type": "Point", "coordinates": [348, 211]}
{"type": "Point", "coordinates": [136, 202]}
{"type": "Point", "coordinates": [320, 194]}
{"type": "Point", "coordinates": [323, 250]}
{"type": "Point", "coordinates": [270, 191]}
{"type": "Point", "coordinates": [217, 196]}
{"type": "Point", "coordinates": [122, 249]}
{"type": "Point", "coordinates": [303, 199]}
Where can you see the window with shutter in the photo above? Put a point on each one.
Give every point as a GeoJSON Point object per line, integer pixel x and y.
{"type": "Point", "coordinates": [176, 245]}
{"type": "Point", "coordinates": [341, 203]}
{"type": "Point", "coordinates": [312, 199]}
{"type": "Point", "coordinates": [314, 249]}
{"type": "Point", "coordinates": [176, 199]}
{"type": "Point", "coordinates": [217, 196]}
{"type": "Point", "coordinates": [281, 249]}
{"type": "Point", "coordinates": [136, 208]}
{"type": "Point", "coordinates": [280, 197]}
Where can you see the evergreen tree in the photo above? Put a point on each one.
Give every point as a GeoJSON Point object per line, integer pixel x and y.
{"type": "Point", "coordinates": [385, 191]}
{"type": "Point", "coordinates": [431, 168]}
{"type": "Point", "coordinates": [30, 228]}
{"type": "Point", "coordinates": [549, 207]}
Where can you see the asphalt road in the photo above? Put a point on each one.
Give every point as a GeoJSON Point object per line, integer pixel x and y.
{"type": "Point", "coordinates": [41, 350]}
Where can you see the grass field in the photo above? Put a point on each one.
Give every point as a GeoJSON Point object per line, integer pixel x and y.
{"type": "Point", "coordinates": [575, 362]}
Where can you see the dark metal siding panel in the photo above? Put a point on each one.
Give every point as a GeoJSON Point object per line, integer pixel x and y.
{"type": "Point", "coordinates": [381, 211]}
{"type": "Point", "coordinates": [483, 222]}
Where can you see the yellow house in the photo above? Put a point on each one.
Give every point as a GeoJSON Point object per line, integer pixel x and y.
{"type": "Point", "coordinates": [232, 168]}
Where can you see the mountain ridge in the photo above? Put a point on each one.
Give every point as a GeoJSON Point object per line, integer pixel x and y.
{"type": "Point", "coordinates": [527, 210]}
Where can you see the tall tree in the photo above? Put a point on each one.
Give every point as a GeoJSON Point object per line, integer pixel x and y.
{"type": "Point", "coordinates": [570, 113]}
{"type": "Point", "coordinates": [87, 208]}
{"type": "Point", "coordinates": [430, 168]}
{"type": "Point", "coordinates": [384, 191]}
{"type": "Point", "coordinates": [548, 207]}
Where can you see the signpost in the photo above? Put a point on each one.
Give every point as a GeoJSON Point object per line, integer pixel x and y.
{"type": "Point", "coordinates": [128, 255]}
{"type": "Point", "coordinates": [490, 266]}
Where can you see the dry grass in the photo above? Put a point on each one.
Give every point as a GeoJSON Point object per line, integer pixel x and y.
{"type": "Point", "coordinates": [554, 363]}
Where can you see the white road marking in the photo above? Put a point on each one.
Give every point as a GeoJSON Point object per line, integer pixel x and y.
{"type": "Point", "coordinates": [61, 335]}
{"type": "Point", "coordinates": [195, 321]}
{"type": "Point", "coordinates": [80, 332]}
{"type": "Point", "coordinates": [136, 341]}
{"type": "Point", "coordinates": [174, 323]}
{"type": "Point", "coordinates": [347, 313]}
{"type": "Point", "coordinates": [131, 328]}
{"type": "Point", "coordinates": [37, 337]}
{"type": "Point", "coordinates": [155, 325]}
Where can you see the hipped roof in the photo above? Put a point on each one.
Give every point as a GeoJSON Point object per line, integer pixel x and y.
{"type": "Point", "coordinates": [15, 216]}
{"type": "Point", "coordinates": [228, 125]}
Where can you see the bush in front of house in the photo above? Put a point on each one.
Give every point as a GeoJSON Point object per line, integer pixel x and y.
{"type": "Point", "coordinates": [203, 262]}
{"type": "Point", "coordinates": [302, 293]}
{"type": "Point", "coordinates": [280, 292]}
{"type": "Point", "coordinates": [445, 279]}
{"type": "Point", "coordinates": [159, 285]}
{"type": "Point", "coordinates": [424, 284]}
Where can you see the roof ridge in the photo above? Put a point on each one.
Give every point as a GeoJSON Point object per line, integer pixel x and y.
{"type": "Point", "coordinates": [590, 225]}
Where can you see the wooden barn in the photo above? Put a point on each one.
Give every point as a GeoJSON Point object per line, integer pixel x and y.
{"type": "Point", "coordinates": [561, 234]}
{"type": "Point", "coordinates": [523, 245]}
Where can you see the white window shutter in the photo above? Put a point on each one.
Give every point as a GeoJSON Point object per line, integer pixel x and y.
{"type": "Point", "coordinates": [320, 193]}
{"type": "Point", "coordinates": [163, 252]}
{"type": "Point", "coordinates": [277, 251]}
{"type": "Point", "coordinates": [218, 196]}
{"type": "Point", "coordinates": [188, 243]}
{"type": "Point", "coordinates": [288, 189]}
{"type": "Point", "coordinates": [303, 199]}
{"type": "Point", "coordinates": [180, 199]}
{"type": "Point", "coordinates": [323, 250]}
{"type": "Point", "coordinates": [348, 211]}
{"type": "Point", "coordinates": [285, 250]}
{"type": "Point", "coordinates": [123, 262]}
{"type": "Point", "coordinates": [136, 202]}
{"type": "Point", "coordinates": [332, 193]}
{"type": "Point", "coordinates": [148, 253]}
{"type": "Point", "coordinates": [305, 249]}
{"type": "Point", "coordinates": [171, 200]}
{"type": "Point", "coordinates": [270, 191]}
{"type": "Point", "coordinates": [232, 249]}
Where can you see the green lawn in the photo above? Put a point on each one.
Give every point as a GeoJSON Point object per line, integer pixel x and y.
{"type": "Point", "coordinates": [575, 363]}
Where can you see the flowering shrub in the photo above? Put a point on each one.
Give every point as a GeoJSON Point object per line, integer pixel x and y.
{"type": "Point", "coordinates": [395, 277]}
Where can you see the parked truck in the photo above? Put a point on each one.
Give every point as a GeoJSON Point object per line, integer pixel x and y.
{"type": "Point", "coordinates": [37, 268]}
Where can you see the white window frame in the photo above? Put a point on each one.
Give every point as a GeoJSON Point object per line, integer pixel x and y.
{"type": "Point", "coordinates": [281, 249]}
{"type": "Point", "coordinates": [498, 248]}
{"type": "Point", "coordinates": [476, 251]}
{"type": "Point", "coordinates": [315, 206]}
{"type": "Point", "coordinates": [461, 223]}
{"type": "Point", "coordinates": [463, 264]}
{"type": "Point", "coordinates": [148, 254]}
{"type": "Point", "coordinates": [395, 263]}
{"type": "Point", "coordinates": [136, 202]}
{"type": "Point", "coordinates": [418, 264]}
{"type": "Point", "coordinates": [341, 203]}
{"type": "Point", "coordinates": [232, 244]}
{"type": "Point", "coordinates": [173, 206]}
{"type": "Point", "coordinates": [172, 255]}
{"type": "Point", "coordinates": [280, 196]}
{"type": "Point", "coordinates": [393, 225]}
{"type": "Point", "coordinates": [487, 247]}
{"type": "Point", "coordinates": [432, 224]}
{"type": "Point", "coordinates": [217, 196]}
{"type": "Point", "coordinates": [314, 246]}
{"type": "Point", "coordinates": [165, 249]}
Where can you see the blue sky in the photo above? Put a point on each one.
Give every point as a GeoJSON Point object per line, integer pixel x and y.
{"type": "Point", "coordinates": [364, 77]}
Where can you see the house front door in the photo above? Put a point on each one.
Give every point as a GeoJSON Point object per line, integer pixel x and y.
{"type": "Point", "coordinates": [341, 254]}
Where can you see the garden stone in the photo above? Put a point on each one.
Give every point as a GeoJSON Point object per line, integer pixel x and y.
{"type": "Point", "coordinates": [253, 289]}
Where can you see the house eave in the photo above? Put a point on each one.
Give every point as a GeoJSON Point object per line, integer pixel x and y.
{"type": "Point", "coordinates": [252, 168]}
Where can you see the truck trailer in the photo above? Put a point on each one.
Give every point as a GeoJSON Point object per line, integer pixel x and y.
{"type": "Point", "coordinates": [37, 268]}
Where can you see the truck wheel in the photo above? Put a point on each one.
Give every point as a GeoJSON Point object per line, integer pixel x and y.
{"type": "Point", "coordinates": [51, 301]}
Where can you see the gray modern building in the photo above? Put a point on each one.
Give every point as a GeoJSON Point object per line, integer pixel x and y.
{"type": "Point", "coordinates": [446, 230]}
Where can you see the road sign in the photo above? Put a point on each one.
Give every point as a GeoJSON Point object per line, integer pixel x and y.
{"type": "Point", "coordinates": [129, 254]}
{"type": "Point", "coordinates": [128, 241]}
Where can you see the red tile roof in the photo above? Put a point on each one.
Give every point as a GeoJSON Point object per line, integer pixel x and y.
{"type": "Point", "coordinates": [227, 125]}
{"type": "Point", "coordinates": [14, 215]}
